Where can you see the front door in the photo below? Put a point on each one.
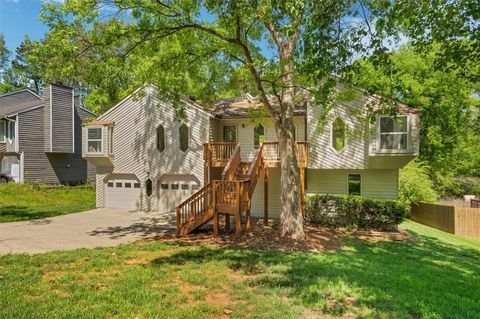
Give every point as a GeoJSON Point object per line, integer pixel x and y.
{"type": "Point", "coordinates": [229, 133]}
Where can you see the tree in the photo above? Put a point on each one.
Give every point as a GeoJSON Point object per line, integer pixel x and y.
{"type": "Point", "coordinates": [5, 86]}
{"type": "Point", "coordinates": [197, 47]}
{"type": "Point", "coordinates": [447, 100]}
{"type": "Point", "coordinates": [27, 72]}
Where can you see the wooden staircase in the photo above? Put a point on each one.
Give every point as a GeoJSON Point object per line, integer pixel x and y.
{"type": "Point", "coordinates": [230, 196]}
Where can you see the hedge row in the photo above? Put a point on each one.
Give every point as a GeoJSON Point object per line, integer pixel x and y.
{"type": "Point", "coordinates": [354, 212]}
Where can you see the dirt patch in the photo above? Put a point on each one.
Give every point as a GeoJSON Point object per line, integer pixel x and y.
{"type": "Point", "coordinates": [266, 238]}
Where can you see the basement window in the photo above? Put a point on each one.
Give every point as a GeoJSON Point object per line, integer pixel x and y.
{"type": "Point", "coordinates": [94, 140]}
{"type": "Point", "coordinates": [354, 184]}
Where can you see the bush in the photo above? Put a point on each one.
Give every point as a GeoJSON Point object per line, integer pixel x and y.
{"type": "Point", "coordinates": [354, 212]}
{"type": "Point", "coordinates": [459, 186]}
{"type": "Point", "coordinates": [415, 184]}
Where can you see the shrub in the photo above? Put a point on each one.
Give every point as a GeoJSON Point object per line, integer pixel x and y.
{"type": "Point", "coordinates": [354, 212]}
{"type": "Point", "coordinates": [415, 184]}
{"type": "Point", "coordinates": [461, 185]}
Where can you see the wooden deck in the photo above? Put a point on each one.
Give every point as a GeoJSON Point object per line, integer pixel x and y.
{"type": "Point", "coordinates": [231, 196]}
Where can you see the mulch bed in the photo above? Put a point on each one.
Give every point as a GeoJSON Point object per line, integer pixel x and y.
{"type": "Point", "coordinates": [267, 238]}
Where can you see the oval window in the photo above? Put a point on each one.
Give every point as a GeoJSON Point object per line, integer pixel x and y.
{"type": "Point", "coordinates": [149, 187]}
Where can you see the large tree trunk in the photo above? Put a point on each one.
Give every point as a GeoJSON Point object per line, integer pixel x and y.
{"type": "Point", "coordinates": [291, 218]}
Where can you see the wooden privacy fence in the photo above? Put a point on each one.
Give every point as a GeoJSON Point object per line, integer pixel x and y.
{"type": "Point", "coordinates": [464, 221]}
{"type": "Point", "coordinates": [475, 203]}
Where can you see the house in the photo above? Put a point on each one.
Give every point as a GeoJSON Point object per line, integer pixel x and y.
{"type": "Point", "coordinates": [148, 159]}
{"type": "Point", "coordinates": [40, 138]}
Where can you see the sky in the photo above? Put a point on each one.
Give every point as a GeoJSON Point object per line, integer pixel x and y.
{"type": "Point", "coordinates": [20, 17]}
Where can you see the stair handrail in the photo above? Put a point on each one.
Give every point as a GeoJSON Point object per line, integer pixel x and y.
{"type": "Point", "coordinates": [232, 165]}
{"type": "Point", "coordinates": [196, 205]}
{"type": "Point", "coordinates": [255, 168]}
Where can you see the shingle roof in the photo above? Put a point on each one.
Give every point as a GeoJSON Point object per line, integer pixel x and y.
{"type": "Point", "coordinates": [17, 101]}
{"type": "Point", "coordinates": [238, 107]}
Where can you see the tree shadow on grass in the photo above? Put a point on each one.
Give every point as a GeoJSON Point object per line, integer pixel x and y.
{"type": "Point", "coordinates": [21, 213]}
{"type": "Point", "coordinates": [401, 280]}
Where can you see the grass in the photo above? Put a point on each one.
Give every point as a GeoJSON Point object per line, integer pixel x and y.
{"type": "Point", "coordinates": [22, 202]}
{"type": "Point", "coordinates": [438, 276]}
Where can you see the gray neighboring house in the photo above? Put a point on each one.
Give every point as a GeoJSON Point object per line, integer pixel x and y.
{"type": "Point", "coordinates": [41, 137]}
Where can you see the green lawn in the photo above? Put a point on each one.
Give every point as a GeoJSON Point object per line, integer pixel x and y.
{"type": "Point", "coordinates": [436, 277]}
{"type": "Point", "coordinates": [23, 202]}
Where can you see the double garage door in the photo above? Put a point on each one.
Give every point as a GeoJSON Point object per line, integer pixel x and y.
{"type": "Point", "coordinates": [122, 193]}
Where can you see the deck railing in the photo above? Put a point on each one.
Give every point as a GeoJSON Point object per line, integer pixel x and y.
{"type": "Point", "coordinates": [218, 151]}
{"type": "Point", "coordinates": [255, 169]}
{"type": "Point", "coordinates": [232, 164]}
{"type": "Point", "coordinates": [197, 205]}
{"type": "Point", "coordinates": [271, 153]}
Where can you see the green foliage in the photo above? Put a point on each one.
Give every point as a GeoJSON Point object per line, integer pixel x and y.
{"type": "Point", "coordinates": [354, 212]}
{"type": "Point", "coordinates": [449, 135]}
{"type": "Point", "coordinates": [4, 54]}
{"type": "Point", "coordinates": [415, 184]}
{"type": "Point", "coordinates": [459, 186]}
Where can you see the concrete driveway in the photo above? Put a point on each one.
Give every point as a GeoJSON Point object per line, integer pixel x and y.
{"type": "Point", "coordinates": [101, 227]}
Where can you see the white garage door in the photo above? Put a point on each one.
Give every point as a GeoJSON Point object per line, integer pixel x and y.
{"type": "Point", "coordinates": [174, 189]}
{"type": "Point", "coordinates": [122, 193]}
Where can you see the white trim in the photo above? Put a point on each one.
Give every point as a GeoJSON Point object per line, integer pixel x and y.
{"type": "Point", "coordinates": [22, 167]}
{"type": "Point", "coordinates": [378, 134]}
{"type": "Point", "coordinates": [101, 140]}
{"type": "Point", "coordinates": [73, 121]}
{"type": "Point", "coordinates": [17, 137]}
{"type": "Point", "coordinates": [3, 139]}
{"type": "Point", "coordinates": [51, 114]}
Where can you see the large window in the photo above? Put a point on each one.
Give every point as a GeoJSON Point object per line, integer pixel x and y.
{"type": "Point", "coordinates": [11, 130]}
{"type": "Point", "coordinates": [354, 184]}
{"type": "Point", "coordinates": [338, 134]}
{"type": "Point", "coordinates": [94, 140]}
{"type": "Point", "coordinates": [230, 133]}
{"type": "Point", "coordinates": [3, 129]}
{"type": "Point", "coordinates": [258, 135]}
{"type": "Point", "coordinates": [160, 138]}
{"type": "Point", "coordinates": [393, 133]}
{"type": "Point", "coordinates": [183, 132]}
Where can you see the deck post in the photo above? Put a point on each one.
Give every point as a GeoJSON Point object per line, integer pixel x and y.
{"type": "Point", "coordinates": [247, 214]}
{"type": "Point", "coordinates": [238, 219]}
{"type": "Point", "coordinates": [178, 221]}
{"type": "Point", "coordinates": [302, 190]}
{"type": "Point", "coordinates": [265, 196]}
{"type": "Point", "coordinates": [214, 208]}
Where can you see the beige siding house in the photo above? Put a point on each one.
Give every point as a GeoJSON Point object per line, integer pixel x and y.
{"type": "Point", "coordinates": [148, 159]}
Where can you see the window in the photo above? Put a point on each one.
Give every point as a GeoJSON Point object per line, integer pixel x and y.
{"type": "Point", "coordinates": [118, 185]}
{"type": "Point", "coordinates": [149, 187]}
{"type": "Point", "coordinates": [183, 132]}
{"type": "Point", "coordinates": [160, 138]}
{"type": "Point", "coordinates": [164, 186]}
{"type": "Point", "coordinates": [128, 185]}
{"type": "Point", "coordinates": [136, 185]}
{"type": "Point", "coordinates": [393, 133]}
{"type": "Point", "coordinates": [94, 140]}
{"type": "Point", "coordinates": [258, 135]}
{"type": "Point", "coordinates": [3, 129]}
{"type": "Point", "coordinates": [110, 184]}
{"type": "Point", "coordinates": [354, 184]}
{"type": "Point", "coordinates": [174, 186]}
{"type": "Point", "coordinates": [195, 187]}
{"type": "Point", "coordinates": [230, 133]}
{"type": "Point", "coordinates": [185, 187]}
{"type": "Point", "coordinates": [338, 134]}
{"type": "Point", "coordinates": [10, 130]}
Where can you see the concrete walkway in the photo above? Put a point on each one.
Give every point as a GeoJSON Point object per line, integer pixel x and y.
{"type": "Point", "coordinates": [94, 228]}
